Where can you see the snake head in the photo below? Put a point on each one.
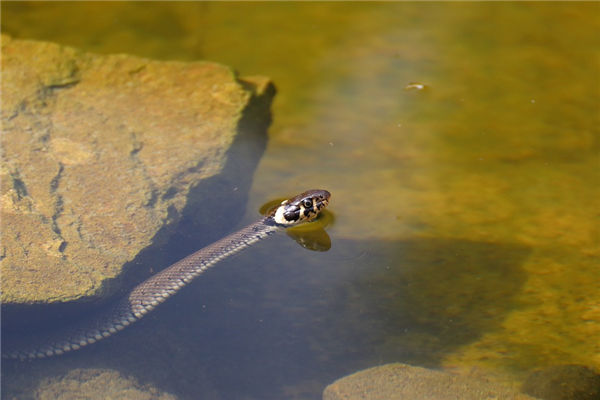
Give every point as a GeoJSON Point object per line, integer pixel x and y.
{"type": "Point", "coordinates": [302, 208]}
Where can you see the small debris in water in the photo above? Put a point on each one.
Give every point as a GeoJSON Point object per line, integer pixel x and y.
{"type": "Point", "coordinates": [415, 86]}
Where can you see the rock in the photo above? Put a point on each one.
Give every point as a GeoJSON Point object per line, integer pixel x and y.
{"type": "Point", "coordinates": [563, 382]}
{"type": "Point", "coordinates": [101, 153]}
{"type": "Point", "coordinates": [97, 384]}
{"type": "Point", "coordinates": [405, 382]}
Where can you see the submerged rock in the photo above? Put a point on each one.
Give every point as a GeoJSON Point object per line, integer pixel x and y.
{"type": "Point", "coordinates": [101, 153]}
{"type": "Point", "coordinates": [405, 382]}
{"type": "Point", "coordinates": [563, 382]}
{"type": "Point", "coordinates": [97, 384]}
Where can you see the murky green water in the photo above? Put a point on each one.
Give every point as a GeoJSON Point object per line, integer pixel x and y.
{"type": "Point", "coordinates": [466, 231]}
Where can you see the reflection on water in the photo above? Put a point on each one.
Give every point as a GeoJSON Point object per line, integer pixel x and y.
{"type": "Point", "coordinates": [463, 235]}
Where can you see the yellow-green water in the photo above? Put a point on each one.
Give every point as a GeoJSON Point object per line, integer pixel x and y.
{"type": "Point", "coordinates": [493, 167]}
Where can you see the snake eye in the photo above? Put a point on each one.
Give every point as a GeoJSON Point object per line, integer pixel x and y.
{"type": "Point", "coordinates": [307, 203]}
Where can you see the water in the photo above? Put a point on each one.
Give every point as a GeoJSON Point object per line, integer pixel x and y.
{"type": "Point", "coordinates": [466, 232]}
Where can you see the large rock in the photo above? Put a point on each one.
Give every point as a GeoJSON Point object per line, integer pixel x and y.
{"type": "Point", "coordinates": [405, 382]}
{"type": "Point", "coordinates": [101, 153]}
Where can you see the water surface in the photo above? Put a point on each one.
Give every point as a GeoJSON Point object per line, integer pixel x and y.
{"type": "Point", "coordinates": [466, 232]}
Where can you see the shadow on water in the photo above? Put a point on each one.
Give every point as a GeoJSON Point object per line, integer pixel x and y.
{"type": "Point", "coordinates": [278, 322]}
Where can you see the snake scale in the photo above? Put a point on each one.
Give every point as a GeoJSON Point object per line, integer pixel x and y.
{"type": "Point", "coordinates": [150, 293]}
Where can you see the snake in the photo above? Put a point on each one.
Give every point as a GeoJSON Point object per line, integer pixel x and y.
{"type": "Point", "coordinates": [147, 295]}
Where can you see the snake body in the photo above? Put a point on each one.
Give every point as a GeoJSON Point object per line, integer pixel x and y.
{"type": "Point", "coordinates": [150, 293]}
